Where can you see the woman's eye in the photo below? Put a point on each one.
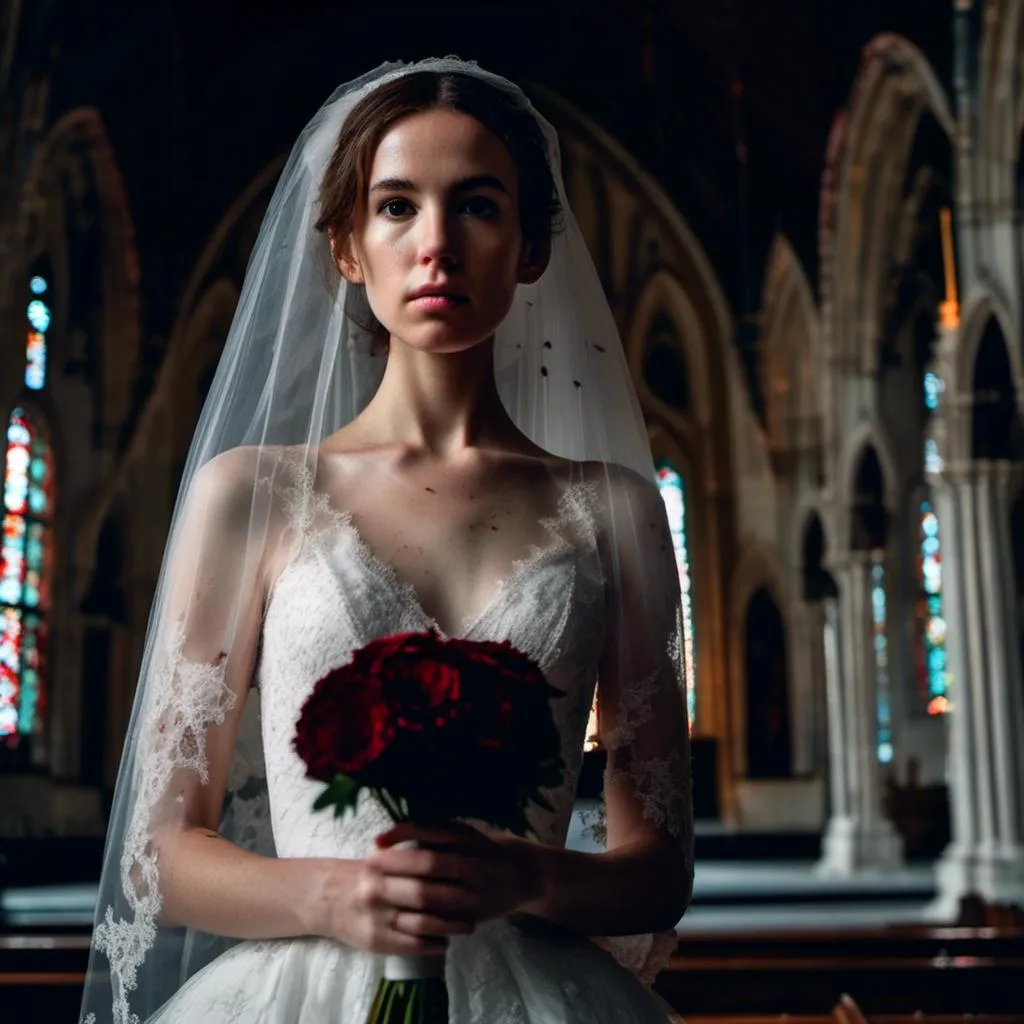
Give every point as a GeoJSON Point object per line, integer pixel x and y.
{"type": "Point", "coordinates": [480, 206]}
{"type": "Point", "coordinates": [396, 207]}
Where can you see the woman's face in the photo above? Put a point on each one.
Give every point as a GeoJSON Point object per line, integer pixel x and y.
{"type": "Point", "coordinates": [437, 242]}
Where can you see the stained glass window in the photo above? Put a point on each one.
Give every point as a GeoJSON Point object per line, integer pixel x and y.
{"type": "Point", "coordinates": [673, 491]}
{"type": "Point", "coordinates": [878, 616]}
{"type": "Point", "coordinates": [39, 317]}
{"type": "Point", "coordinates": [933, 676]}
{"type": "Point", "coordinates": [933, 389]}
{"type": "Point", "coordinates": [24, 576]}
{"type": "Point", "coordinates": [932, 665]}
{"type": "Point", "coordinates": [933, 463]}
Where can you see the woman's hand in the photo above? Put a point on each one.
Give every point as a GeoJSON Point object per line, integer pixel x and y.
{"type": "Point", "coordinates": [355, 904]}
{"type": "Point", "coordinates": [454, 873]}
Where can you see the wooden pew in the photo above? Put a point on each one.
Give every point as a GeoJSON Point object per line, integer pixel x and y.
{"type": "Point", "coordinates": [894, 971]}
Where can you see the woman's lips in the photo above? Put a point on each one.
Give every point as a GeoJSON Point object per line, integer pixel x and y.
{"type": "Point", "coordinates": [438, 303]}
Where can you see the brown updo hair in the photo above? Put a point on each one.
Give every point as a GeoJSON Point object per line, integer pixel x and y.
{"type": "Point", "coordinates": [346, 180]}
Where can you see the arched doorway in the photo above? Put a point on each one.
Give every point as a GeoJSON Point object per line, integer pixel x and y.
{"type": "Point", "coordinates": [819, 595]}
{"type": "Point", "coordinates": [769, 747]}
{"type": "Point", "coordinates": [995, 425]}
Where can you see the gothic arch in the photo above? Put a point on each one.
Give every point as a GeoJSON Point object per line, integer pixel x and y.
{"type": "Point", "coordinates": [681, 252]}
{"type": "Point", "coordinates": [664, 295]}
{"type": "Point", "coordinates": [75, 160]}
{"type": "Point", "coordinates": [1001, 115]}
{"type": "Point", "coordinates": [813, 551]}
{"type": "Point", "coordinates": [995, 419]}
{"type": "Point", "coordinates": [179, 347]}
{"type": "Point", "coordinates": [868, 155]}
{"type": "Point", "coordinates": [759, 566]}
{"type": "Point", "coordinates": [867, 435]}
{"type": "Point", "coordinates": [807, 513]}
{"type": "Point", "coordinates": [790, 343]}
{"type": "Point", "coordinates": [980, 308]}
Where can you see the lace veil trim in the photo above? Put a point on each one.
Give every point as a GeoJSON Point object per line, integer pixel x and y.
{"type": "Point", "coordinates": [188, 697]}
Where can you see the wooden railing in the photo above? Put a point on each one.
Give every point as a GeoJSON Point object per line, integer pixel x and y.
{"type": "Point", "coordinates": [892, 971]}
{"type": "Point", "coordinates": [896, 976]}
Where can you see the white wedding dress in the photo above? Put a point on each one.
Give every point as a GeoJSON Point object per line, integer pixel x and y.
{"type": "Point", "coordinates": [335, 596]}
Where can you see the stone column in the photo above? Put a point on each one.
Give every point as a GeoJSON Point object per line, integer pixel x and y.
{"type": "Point", "coordinates": [858, 837]}
{"type": "Point", "coordinates": [807, 632]}
{"type": "Point", "coordinates": [986, 756]}
{"type": "Point", "coordinates": [839, 786]}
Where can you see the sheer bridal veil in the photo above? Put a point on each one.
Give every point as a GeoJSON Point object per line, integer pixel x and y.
{"type": "Point", "coordinates": [295, 368]}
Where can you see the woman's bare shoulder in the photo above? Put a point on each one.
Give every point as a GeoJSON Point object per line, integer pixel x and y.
{"type": "Point", "coordinates": [236, 483]}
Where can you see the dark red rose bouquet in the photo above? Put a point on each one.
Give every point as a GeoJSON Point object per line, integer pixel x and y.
{"type": "Point", "coordinates": [437, 731]}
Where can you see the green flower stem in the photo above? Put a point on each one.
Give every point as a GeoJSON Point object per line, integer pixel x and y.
{"type": "Point", "coordinates": [422, 1001]}
{"type": "Point", "coordinates": [390, 805]}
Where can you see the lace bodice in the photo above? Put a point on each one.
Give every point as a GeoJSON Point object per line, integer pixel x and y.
{"type": "Point", "coordinates": [336, 596]}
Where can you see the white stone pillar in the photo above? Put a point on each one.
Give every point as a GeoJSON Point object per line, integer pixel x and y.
{"type": "Point", "coordinates": [986, 756]}
{"type": "Point", "coordinates": [839, 785]}
{"type": "Point", "coordinates": [858, 837]}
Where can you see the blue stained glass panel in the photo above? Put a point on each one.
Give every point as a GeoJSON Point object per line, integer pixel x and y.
{"type": "Point", "coordinates": [10, 666]}
{"type": "Point", "coordinates": [23, 579]}
{"type": "Point", "coordinates": [878, 604]}
{"type": "Point", "coordinates": [933, 664]}
{"type": "Point", "coordinates": [35, 361]}
{"type": "Point", "coordinates": [39, 315]}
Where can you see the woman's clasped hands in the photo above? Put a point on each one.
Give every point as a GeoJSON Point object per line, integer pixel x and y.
{"type": "Point", "coordinates": [423, 885]}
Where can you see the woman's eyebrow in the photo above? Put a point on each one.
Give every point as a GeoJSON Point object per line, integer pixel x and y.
{"type": "Point", "coordinates": [480, 181]}
{"type": "Point", "coordinates": [393, 185]}
{"type": "Point", "coordinates": [462, 185]}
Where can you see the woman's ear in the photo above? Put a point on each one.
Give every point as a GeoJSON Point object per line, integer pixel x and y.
{"type": "Point", "coordinates": [345, 258]}
{"type": "Point", "coordinates": [533, 261]}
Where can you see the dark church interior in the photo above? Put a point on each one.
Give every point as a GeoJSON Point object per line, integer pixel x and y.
{"type": "Point", "coordinates": [808, 219]}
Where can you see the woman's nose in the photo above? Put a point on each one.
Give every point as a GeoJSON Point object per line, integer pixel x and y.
{"type": "Point", "coordinates": [438, 241]}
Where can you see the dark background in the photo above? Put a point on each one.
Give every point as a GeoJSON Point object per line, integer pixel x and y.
{"type": "Point", "coordinates": [198, 94]}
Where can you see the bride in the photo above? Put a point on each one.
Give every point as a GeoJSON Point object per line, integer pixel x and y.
{"type": "Point", "coordinates": [422, 419]}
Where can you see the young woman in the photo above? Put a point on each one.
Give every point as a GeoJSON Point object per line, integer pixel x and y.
{"type": "Point", "coordinates": [422, 420]}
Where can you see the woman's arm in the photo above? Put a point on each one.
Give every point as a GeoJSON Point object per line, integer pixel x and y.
{"type": "Point", "coordinates": [199, 686]}
{"type": "Point", "coordinates": [199, 678]}
{"type": "Point", "coordinates": [211, 884]}
{"type": "Point", "coordinates": [640, 886]}
{"type": "Point", "coordinates": [644, 880]}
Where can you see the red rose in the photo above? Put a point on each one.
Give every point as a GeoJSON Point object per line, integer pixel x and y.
{"type": "Point", "coordinates": [418, 681]}
{"type": "Point", "coordinates": [344, 725]}
{"type": "Point", "coordinates": [437, 729]}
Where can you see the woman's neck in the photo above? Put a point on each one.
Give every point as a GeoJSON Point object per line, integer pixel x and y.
{"type": "Point", "coordinates": [443, 403]}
